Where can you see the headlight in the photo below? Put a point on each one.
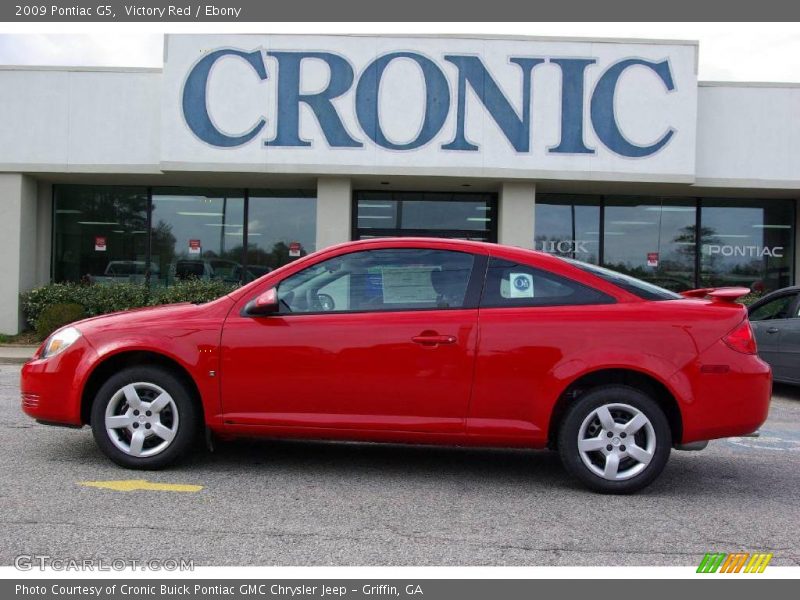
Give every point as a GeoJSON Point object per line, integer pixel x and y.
{"type": "Point", "coordinates": [60, 341]}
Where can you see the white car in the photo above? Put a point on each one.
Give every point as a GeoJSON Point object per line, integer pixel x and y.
{"type": "Point", "coordinates": [125, 271]}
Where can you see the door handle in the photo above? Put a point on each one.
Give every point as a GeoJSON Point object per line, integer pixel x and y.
{"type": "Point", "coordinates": [772, 330]}
{"type": "Point", "coordinates": [433, 339]}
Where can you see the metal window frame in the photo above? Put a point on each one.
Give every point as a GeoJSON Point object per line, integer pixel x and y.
{"type": "Point", "coordinates": [355, 232]}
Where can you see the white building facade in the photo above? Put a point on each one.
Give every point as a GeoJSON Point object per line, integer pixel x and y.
{"type": "Point", "coordinates": [248, 150]}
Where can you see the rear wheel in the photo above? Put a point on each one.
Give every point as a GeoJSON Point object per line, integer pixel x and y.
{"type": "Point", "coordinates": [615, 439]}
{"type": "Point", "coordinates": [144, 418]}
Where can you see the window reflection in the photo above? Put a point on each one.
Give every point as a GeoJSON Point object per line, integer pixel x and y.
{"type": "Point", "coordinates": [99, 234]}
{"type": "Point", "coordinates": [197, 234]}
{"type": "Point", "coordinates": [281, 227]}
{"type": "Point", "coordinates": [568, 226]}
{"type": "Point", "coordinates": [747, 242]}
{"type": "Point", "coordinates": [652, 239]}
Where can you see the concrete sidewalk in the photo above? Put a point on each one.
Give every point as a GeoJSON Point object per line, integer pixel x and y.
{"type": "Point", "coordinates": [13, 354]}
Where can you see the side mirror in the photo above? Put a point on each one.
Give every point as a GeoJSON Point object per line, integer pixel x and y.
{"type": "Point", "coordinates": [265, 304]}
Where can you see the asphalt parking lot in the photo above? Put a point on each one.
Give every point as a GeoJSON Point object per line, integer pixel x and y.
{"type": "Point", "coordinates": [305, 503]}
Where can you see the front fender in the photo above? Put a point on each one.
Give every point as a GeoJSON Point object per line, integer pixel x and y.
{"type": "Point", "coordinates": [196, 354]}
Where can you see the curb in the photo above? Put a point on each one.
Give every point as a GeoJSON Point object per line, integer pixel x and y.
{"type": "Point", "coordinates": [13, 360]}
{"type": "Point", "coordinates": [15, 354]}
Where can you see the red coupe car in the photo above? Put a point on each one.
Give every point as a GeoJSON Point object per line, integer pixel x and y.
{"type": "Point", "coordinates": [418, 341]}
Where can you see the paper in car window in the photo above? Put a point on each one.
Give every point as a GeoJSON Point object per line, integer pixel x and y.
{"type": "Point", "coordinates": [407, 285]}
{"type": "Point", "coordinates": [520, 285]}
{"type": "Point", "coordinates": [374, 284]}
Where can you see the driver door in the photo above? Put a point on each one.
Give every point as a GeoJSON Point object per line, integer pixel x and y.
{"type": "Point", "coordinates": [374, 340]}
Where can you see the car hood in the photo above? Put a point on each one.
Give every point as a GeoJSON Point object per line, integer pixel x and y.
{"type": "Point", "coordinates": [151, 316]}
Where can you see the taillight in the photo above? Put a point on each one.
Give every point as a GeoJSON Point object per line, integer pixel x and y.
{"type": "Point", "coordinates": [741, 338]}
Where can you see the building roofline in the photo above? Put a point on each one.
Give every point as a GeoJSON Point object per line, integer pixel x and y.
{"type": "Point", "coordinates": [750, 84]}
{"type": "Point", "coordinates": [695, 43]}
{"type": "Point", "coordinates": [453, 36]}
{"type": "Point", "coordinates": [477, 36]}
{"type": "Point", "coordinates": [80, 69]}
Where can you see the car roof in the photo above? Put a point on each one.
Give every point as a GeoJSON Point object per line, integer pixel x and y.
{"type": "Point", "coordinates": [436, 242]}
{"type": "Point", "coordinates": [490, 248]}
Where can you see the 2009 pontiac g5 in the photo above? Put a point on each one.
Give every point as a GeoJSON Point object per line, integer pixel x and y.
{"type": "Point", "coordinates": [418, 341]}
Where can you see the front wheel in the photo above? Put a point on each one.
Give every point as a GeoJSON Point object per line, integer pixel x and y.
{"type": "Point", "coordinates": [144, 418]}
{"type": "Point", "coordinates": [615, 439]}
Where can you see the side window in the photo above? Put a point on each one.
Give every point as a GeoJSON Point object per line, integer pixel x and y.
{"type": "Point", "coordinates": [509, 284]}
{"type": "Point", "coordinates": [380, 280]}
{"type": "Point", "coordinates": [774, 309]}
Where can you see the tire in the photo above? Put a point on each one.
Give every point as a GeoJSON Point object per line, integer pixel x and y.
{"type": "Point", "coordinates": [638, 464]}
{"type": "Point", "coordinates": [132, 435]}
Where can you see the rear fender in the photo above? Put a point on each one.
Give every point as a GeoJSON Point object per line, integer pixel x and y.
{"type": "Point", "coordinates": [663, 372]}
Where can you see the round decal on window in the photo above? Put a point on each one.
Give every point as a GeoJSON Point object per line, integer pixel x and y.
{"type": "Point", "coordinates": [521, 285]}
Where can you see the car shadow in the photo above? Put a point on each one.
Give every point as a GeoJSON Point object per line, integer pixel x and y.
{"type": "Point", "coordinates": [388, 459]}
{"type": "Point", "coordinates": [786, 391]}
{"type": "Point", "coordinates": [289, 459]}
{"type": "Point", "coordinates": [536, 470]}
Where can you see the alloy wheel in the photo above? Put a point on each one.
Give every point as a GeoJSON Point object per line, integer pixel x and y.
{"type": "Point", "coordinates": [141, 419]}
{"type": "Point", "coordinates": [616, 441]}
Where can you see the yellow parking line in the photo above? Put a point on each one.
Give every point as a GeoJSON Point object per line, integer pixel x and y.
{"type": "Point", "coordinates": [133, 485]}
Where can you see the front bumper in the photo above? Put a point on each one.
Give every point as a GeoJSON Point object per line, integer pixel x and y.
{"type": "Point", "coordinates": [51, 388]}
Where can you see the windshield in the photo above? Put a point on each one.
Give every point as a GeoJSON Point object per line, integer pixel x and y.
{"type": "Point", "coordinates": [640, 288]}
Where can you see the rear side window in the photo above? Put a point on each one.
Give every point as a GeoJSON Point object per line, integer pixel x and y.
{"type": "Point", "coordinates": [510, 284]}
{"type": "Point", "coordinates": [637, 287]}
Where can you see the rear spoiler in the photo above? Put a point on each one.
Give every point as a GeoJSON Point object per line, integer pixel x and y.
{"type": "Point", "coordinates": [721, 294]}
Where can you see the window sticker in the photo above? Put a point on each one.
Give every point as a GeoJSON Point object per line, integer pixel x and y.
{"type": "Point", "coordinates": [407, 285]}
{"type": "Point", "coordinates": [521, 285]}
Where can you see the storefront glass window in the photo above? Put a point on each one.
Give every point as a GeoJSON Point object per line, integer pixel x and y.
{"type": "Point", "coordinates": [470, 216]}
{"type": "Point", "coordinates": [281, 227]}
{"type": "Point", "coordinates": [652, 239]}
{"type": "Point", "coordinates": [197, 234]}
{"type": "Point", "coordinates": [742, 242]}
{"type": "Point", "coordinates": [99, 234]}
{"type": "Point", "coordinates": [568, 226]}
{"type": "Point", "coordinates": [747, 242]}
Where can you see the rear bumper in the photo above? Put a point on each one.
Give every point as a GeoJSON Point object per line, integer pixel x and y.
{"type": "Point", "coordinates": [726, 403]}
{"type": "Point", "coordinates": [51, 388]}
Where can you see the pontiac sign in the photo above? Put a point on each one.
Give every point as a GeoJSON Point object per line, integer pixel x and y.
{"type": "Point", "coordinates": [369, 104]}
{"type": "Point", "coordinates": [746, 251]}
